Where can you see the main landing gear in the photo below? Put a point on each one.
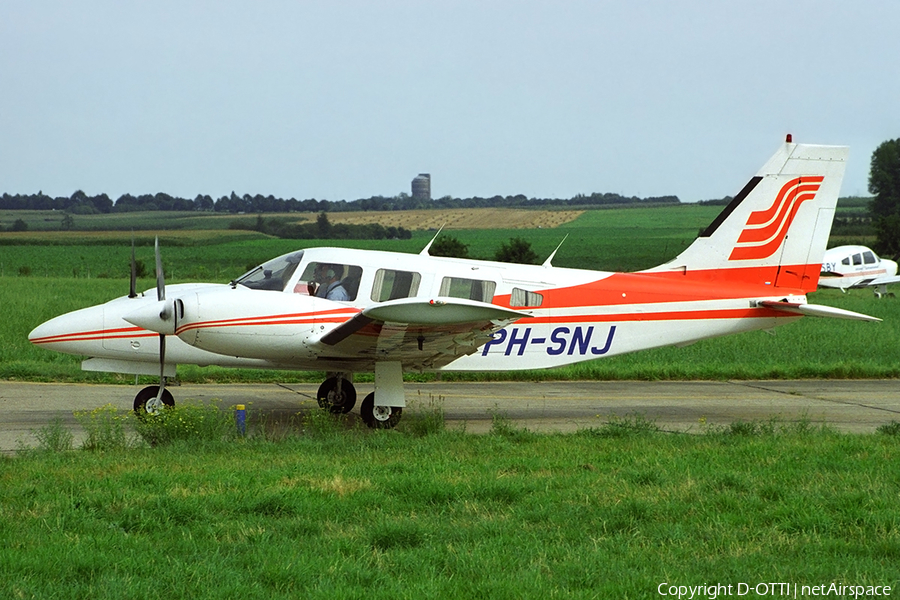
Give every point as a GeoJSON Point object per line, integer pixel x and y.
{"type": "Point", "coordinates": [337, 395]}
{"type": "Point", "coordinates": [379, 417]}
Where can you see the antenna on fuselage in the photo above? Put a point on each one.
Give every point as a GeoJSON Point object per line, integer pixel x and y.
{"type": "Point", "coordinates": [424, 251]}
{"type": "Point", "coordinates": [132, 290]}
{"type": "Point", "coordinates": [552, 254]}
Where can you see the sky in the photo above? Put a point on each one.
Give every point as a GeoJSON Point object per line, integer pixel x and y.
{"type": "Point", "coordinates": [344, 99]}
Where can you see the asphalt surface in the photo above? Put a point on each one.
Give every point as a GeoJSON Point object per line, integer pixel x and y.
{"type": "Point", "coordinates": [687, 406]}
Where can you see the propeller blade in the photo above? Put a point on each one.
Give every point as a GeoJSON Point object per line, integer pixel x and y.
{"type": "Point", "coordinates": [160, 277]}
{"type": "Point", "coordinates": [132, 293]}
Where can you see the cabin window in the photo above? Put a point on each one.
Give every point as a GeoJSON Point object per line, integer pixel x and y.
{"type": "Point", "coordinates": [390, 285]}
{"type": "Point", "coordinates": [857, 259]}
{"type": "Point", "coordinates": [520, 297]}
{"type": "Point", "coordinates": [471, 289]}
{"type": "Point", "coordinates": [869, 258]}
{"type": "Point", "coordinates": [272, 275]}
{"type": "Point", "coordinates": [846, 261]}
{"type": "Point", "coordinates": [333, 281]}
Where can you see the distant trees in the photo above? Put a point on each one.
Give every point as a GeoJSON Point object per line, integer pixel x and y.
{"type": "Point", "coordinates": [78, 203]}
{"type": "Point", "coordinates": [81, 203]}
{"type": "Point", "coordinates": [323, 229]}
{"type": "Point", "coordinates": [884, 183]}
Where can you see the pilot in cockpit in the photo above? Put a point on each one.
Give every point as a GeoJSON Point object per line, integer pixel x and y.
{"type": "Point", "coordinates": [329, 282]}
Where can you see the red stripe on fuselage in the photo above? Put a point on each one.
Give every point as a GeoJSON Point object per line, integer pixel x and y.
{"type": "Point", "coordinates": [328, 316]}
{"type": "Point", "coordinates": [99, 334]}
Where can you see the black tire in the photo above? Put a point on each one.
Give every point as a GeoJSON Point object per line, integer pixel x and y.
{"type": "Point", "coordinates": [386, 417]}
{"type": "Point", "coordinates": [140, 401]}
{"type": "Point", "coordinates": [328, 397]}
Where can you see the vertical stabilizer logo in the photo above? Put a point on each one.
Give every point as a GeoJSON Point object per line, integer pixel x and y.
{"type": "Point", "coordinates": [766, 229]}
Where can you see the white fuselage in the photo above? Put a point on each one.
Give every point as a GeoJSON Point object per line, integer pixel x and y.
{"type": "Point", "coordinates": [568, 316]}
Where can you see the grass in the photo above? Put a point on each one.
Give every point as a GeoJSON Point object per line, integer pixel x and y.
{"type": "Point", "coordinates": [334, 512]}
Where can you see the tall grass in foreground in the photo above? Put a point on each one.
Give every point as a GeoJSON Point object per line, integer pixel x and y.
{"type": "Point", "coordinates": [610, 512]}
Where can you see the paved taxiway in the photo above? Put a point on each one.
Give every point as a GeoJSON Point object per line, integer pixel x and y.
{"type": "Point", "coordinates": [845, 405]}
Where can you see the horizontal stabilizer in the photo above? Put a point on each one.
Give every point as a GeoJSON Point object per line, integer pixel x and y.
{"type": "Point", "coordinates": [816, 310]}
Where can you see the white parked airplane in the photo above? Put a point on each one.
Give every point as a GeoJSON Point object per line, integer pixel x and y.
{"type": "Point", "coordinates": [344, 311]}
{"type": "Point", "coordinates": [846, 267]}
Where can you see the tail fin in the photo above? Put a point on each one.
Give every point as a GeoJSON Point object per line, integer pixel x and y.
{"type": "Point", "coordinates": [775, 230]}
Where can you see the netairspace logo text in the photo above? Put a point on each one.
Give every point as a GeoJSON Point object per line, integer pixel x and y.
{"type": "Point", "coordinates": [779, 589]}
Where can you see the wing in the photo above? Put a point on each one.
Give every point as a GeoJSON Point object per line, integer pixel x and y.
{"type": "Point", "coordinates": [420, 334]}
{"type": "Point", "coordinates": [885, 280]}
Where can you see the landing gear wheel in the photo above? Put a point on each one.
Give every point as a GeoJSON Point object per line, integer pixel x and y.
{"type": "Point", "coordinates": [148, 393]}
{"type": "Point", "coordinates": [337, 402]}
{"type": "Point", "coordinates": [379, 417]}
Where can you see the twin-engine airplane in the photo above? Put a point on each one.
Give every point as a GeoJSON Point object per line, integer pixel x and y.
{"type": "Point", "coordinates": [344, 311]}
{"type": "Point", "coordinates": [846, 267]}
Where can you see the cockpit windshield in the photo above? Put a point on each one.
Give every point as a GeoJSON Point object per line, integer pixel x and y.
{"type": "Point", "coordinates": [272, 275]}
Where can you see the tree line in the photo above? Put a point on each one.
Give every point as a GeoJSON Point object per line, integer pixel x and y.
{"type": "Point", "coordinates": [81, 203]}
{"type": "Point", "coordinates": [323, 229]}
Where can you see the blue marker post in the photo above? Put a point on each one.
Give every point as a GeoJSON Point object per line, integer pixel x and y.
{"type": "Point", "coordinates": [240, 418]}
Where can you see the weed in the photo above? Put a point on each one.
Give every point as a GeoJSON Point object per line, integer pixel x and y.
{"type": "Point", "coordinates": [104, 428]}
{"type": "Point", "coordinates": [748, 428]}
{"type": "Point", "coordinates": [322, 423]}
{"type": "Point", "coordinates": [200, 422]}
{"type": "Point", "coordinates": [425, 420]}
{"type": "Point", "coordinates": [892, 428]}
{"type": "Point", "coordinates": [770, 427]}
{"type": "Point", "coordinates": [54, 436]}
{"type": "Point", "coordinates": [502, 426]}
{"type": "Point", "coordinates": [633, 424]}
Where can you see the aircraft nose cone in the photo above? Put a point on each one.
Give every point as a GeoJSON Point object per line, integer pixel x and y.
{"type": "Point", "coordinates": [74, 332]}
{"type": "Point", "coordinates": [44, 331]}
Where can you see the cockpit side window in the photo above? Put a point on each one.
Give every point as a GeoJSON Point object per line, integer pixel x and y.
{"type": "Point", "coordinates": [869, 258]}
{"type": "Point", "coordinates": [390, 285]}
{"type": "Point", "coordinates": [333, 281]}
{"type": "Point", "coordinates": [272, 275]}
{"type": "Point", "coordinates": [520, 297]}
